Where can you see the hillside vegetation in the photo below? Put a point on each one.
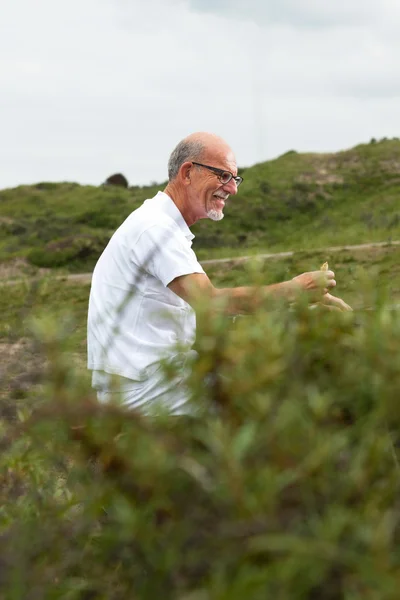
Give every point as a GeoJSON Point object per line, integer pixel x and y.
{"type": "Point", "coordinates": [298, 201]}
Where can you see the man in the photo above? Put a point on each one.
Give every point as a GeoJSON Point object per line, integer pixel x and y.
{"type": "Point", "coordinates": [148, 277]}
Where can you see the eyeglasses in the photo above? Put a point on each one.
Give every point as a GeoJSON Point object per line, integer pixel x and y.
{"type": "Point", "coordinates": [223, 176]}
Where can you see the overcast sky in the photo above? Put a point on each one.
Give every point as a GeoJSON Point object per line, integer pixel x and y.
{"type": "Point", "coordinates": [91, 87]}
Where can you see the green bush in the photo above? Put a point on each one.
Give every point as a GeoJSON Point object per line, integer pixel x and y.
{"type": "Point", "coordinates": [13, 227]}
{"type": "Point", "coordinates": [285, 484]}
{"type": "Point", "coordinates": [81, 249]}
{"type": "Point", "coordinates": [100, 217]}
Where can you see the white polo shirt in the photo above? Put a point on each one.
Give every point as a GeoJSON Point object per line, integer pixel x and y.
{"type": "Point", "coordinates": [134, 319]}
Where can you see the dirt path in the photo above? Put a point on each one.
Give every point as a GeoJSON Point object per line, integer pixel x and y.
{"type": "Point", "coordinates": [85, 278]}
{"type": "Point", "coordinates": [293, 252]}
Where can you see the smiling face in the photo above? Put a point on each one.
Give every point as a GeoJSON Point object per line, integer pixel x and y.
{"type": "Point", "coordinates": [208, 193]}
{"type": "Point", "coordinates": [198, 191]}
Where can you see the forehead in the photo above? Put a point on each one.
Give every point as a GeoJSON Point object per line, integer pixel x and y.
{"type": "Point", "coordinates": [222, 157]}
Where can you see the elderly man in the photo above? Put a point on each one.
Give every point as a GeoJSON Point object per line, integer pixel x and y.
{"type": "Point", "coordinates": [146, 280]}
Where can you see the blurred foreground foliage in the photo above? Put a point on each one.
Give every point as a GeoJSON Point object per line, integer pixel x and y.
{"type": "Point", "coordinates": [284, 485]}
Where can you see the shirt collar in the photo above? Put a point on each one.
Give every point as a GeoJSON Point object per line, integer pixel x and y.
{"type": "Point", "coordinates": [173, 211]}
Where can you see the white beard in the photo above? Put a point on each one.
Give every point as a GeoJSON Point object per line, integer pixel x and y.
{"type": "Point", "coordinates": [215, 215]}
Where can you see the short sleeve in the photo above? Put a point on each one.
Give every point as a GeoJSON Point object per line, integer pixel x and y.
{"type": "Point", "coordinates": [164, 252]}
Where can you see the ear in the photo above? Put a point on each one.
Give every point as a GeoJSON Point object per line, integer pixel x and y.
{"type": "Point", "coordinates": [185, 172]}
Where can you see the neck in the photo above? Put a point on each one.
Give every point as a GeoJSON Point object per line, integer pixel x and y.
{"type": "Point", "coordinates": [181, 201]}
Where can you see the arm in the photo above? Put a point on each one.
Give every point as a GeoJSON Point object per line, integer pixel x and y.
{"type": "Point", "coordinates": [245, 300]}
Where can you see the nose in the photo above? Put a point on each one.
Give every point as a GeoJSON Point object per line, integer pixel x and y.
{"type": "Point", "coordinates": [231, 187]}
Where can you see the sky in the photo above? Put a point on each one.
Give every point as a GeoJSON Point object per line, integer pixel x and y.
{"type": "Point", "coordinates": [93, 87]}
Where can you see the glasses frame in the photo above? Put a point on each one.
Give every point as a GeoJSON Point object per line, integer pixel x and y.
{"type": "Point", "coordinates": [220, 172]}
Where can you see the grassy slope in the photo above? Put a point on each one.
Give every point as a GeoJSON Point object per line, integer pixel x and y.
{"type": "Point", "coordinates": [298, 201]}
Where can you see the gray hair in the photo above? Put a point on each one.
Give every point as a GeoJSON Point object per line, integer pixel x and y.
{"type": "Point", "coordinates": [186, 150]}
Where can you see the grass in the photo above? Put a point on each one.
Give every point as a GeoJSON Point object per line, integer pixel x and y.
{"type": "Point", "coordinates": [65, 301]}
{"type": "Point", "coordinates": [62, 305]}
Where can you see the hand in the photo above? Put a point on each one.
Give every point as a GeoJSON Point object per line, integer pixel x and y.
{"type": "Point", "coordinates": [316, 283]}
{"type": "Point", "coordinates": [332, 303]}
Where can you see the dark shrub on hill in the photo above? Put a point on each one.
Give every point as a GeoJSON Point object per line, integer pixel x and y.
{"type": "Point", "coordinates": [118, 180]}
{"type": "Point", "coordinates": [47, 185]}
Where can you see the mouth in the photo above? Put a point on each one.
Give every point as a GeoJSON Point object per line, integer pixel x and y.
{"type": "Point", "coordinates": [221, 198]}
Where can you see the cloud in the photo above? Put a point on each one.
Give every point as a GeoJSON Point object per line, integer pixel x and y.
{"type": "Point", "coordinates": [298, 13]}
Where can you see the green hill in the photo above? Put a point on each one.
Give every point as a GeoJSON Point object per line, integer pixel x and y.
{"type": "Point", "coordinates": [298, 201]}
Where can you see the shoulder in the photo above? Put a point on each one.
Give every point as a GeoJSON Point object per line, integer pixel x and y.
{"type": "Point", "coordinates": [150, 214]}
{"type": "Point", "coordinates": [146, 221]}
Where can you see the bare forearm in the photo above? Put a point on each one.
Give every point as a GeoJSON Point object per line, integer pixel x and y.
{"type": "Point", "coordinates": [245, 300]}
{"type": "Point", "coordinates": [194, 288]}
